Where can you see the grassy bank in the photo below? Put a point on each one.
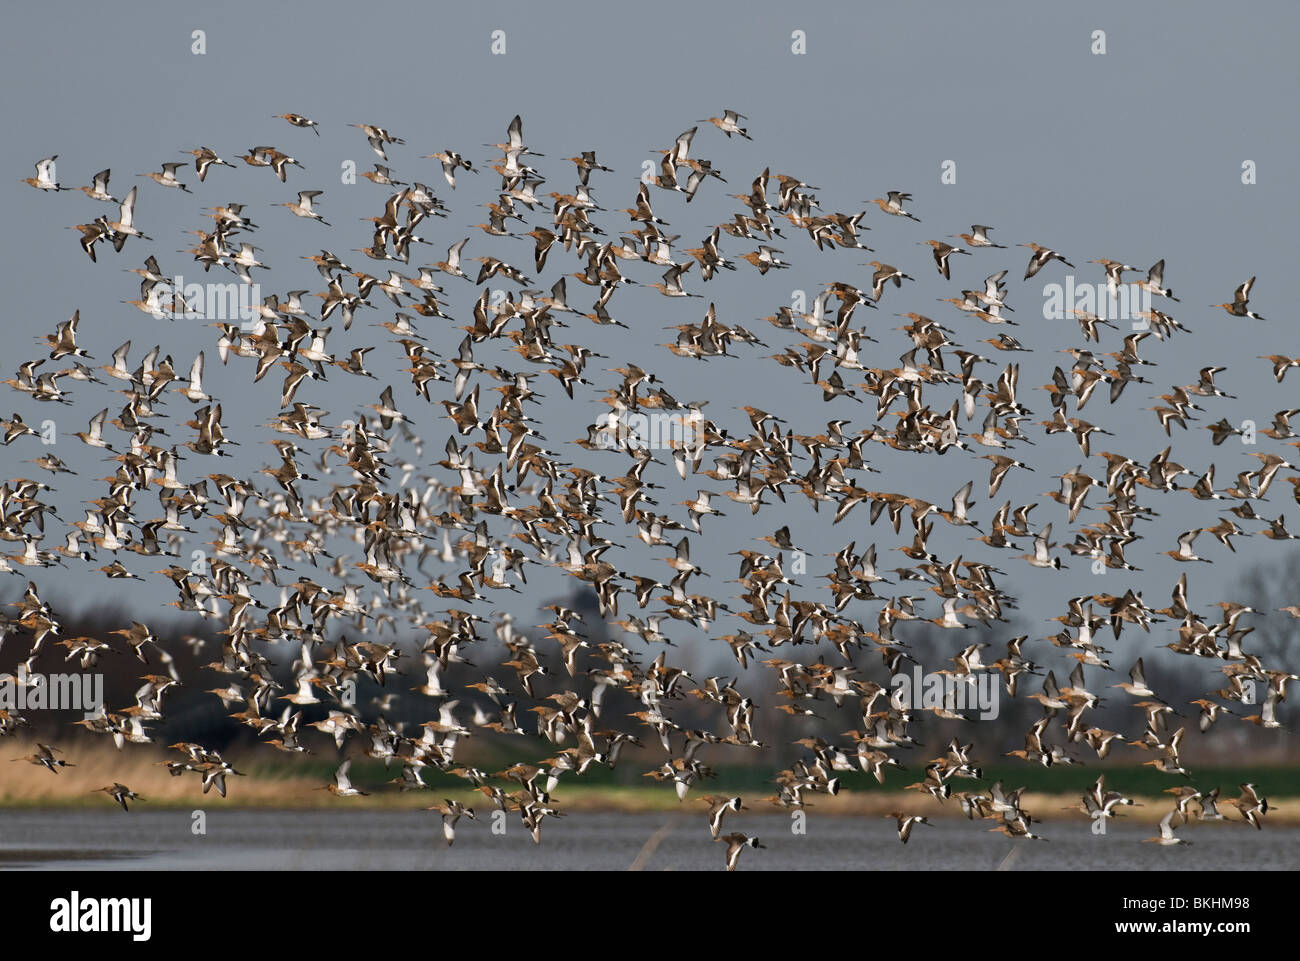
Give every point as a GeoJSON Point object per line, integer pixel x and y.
{"type": "Point", "coordinates": [297, 782]}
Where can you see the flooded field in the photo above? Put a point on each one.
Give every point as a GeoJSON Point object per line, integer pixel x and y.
{"type": "Point", "coordinates": [412, 841]}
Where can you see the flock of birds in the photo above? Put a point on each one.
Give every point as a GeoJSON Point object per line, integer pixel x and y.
{"type": "Point", "coordinates": [336, 484]}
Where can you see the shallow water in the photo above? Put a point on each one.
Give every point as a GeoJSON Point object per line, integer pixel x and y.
{"type": "Point", "coordinates": [404, 840]}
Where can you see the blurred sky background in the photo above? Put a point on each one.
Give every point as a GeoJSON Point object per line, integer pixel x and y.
{"type": "Point", "coordinates": [1134, 155]}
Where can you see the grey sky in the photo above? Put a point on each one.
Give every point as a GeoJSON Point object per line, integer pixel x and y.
{"type": "Point", "coordinates": [1135, 155]}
